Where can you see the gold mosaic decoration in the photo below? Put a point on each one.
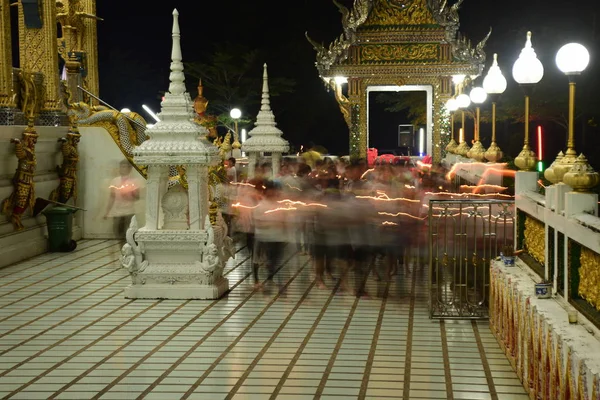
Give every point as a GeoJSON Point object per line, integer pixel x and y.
{"type": "Point", "coordinates": [589, 277]}
{"type": "Point", "coordinates": [400, 12]}
{"type": "Point", "coordinates": [410, 52]}
{"type": "Point", "coordinates": [39, 52]}
{"type": "Point", "coordinates": [6, 80]}
{"type": "Point", "coordinates": [535, 239]}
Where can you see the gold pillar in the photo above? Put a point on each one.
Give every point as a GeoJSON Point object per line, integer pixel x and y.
{"type": "Point", "coordinates": [463, 146]}
{"type": "Point", "coordinates": [39, 52]}
{"type": "Point", "coordinates": [90, 48]}
{"type": "Point", "coordinates": [6, 79]}
{"type": "Point", "coordinates": [493, 153]}
{"type": "Point", "coordinates": [567, 162]}
{"type": "Point", "coordinates": [526, 159]}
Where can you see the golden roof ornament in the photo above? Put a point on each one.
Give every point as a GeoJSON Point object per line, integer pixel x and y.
{"type": "Point", "coordinates": [582, 176]}
{"type": "Point", "coordinates": [549, 173]}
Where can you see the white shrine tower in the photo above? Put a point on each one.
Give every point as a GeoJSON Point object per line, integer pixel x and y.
{"type": "Point", "coordinates": [265, 137]}
{"type": "Point", "coordinates": [178, 254]}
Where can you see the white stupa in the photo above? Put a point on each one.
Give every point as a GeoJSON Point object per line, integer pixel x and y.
{"type": "Point", "coordinates": [178, 254]}
{"type": "Point", "coordinates": [265, 137]}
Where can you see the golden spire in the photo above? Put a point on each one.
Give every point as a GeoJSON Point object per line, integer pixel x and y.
{"type": "Point", "coordinates": [200, 102]}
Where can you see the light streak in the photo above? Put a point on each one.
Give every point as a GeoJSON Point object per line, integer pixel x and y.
{"type": "Point", "coordinates": [293, 187]}
{"type": "Point", "coordinates": [242, 184]}
{"type": "Point", "coordinates": [403, 214]}
{"type": "Point", "coordinates": [488, 166]}
{"type": "Point", "coordinates": [122, 186]}
{"type": "Point", "coordinates": [280, 209]}
{"type": "Point", "coordinates": [539, 132]}
{"type": "Point", "coordinates": [389, 223]}
{"type": "Point", "coordinates": [239, 205]}
{"type": "Point", "coordinates": [366, 172]}
{"type": "Point", "coordinates": [301, 203]}
{"type": "Point", "coordinates": [384, 197]}
{"type": "Point", "coordinates": [452, 194]}
{"type": "Point", "coordinates": [149, 111]}
{"type": "Point", "coordinates": [423, 165]}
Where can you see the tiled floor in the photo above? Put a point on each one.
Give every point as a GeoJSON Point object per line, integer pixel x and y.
{"type": "Point", "coordinates": [67, 332]}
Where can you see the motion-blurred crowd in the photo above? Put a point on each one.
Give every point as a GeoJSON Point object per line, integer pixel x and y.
{"type": "Point", "coordinates": [351, 220]}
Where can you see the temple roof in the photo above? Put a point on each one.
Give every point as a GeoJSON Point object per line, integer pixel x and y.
{"type": "Point", "coordinates": [400, 36]}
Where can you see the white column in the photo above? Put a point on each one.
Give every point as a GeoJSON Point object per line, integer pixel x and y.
{"type": "Point", "coordinates": [275, 163]}
{"type": "Point", "coordinates": [193, 200]}
{"type": "Point", "coordinates": [526, 181]}
{"type": "Point", "coordinates": [202, 193]}
{"type": "Point", "coordinates": [152, 197]}
{"type": "Point", "coordinates": [251, 163]}
{"type": "Point", "coordinates": [578, 203]}
{"type": "Point", "coordinates": [163, 186]}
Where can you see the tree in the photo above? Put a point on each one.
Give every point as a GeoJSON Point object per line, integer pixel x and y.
{"type": "Point", "coordinates": [232, 77]}
{"type": "Point", "coordinates": [414, 103]}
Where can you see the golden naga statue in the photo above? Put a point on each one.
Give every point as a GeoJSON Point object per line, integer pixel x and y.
{"type": "Point", "coordinates": [210, 122]}
{"type": "Point", "coordinates": [23, 195]}
{"type": "Point", "coordinates": [67, 172]}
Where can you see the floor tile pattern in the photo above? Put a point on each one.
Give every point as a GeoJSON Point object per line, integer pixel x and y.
{"type": "Point", "coordinates": [67, 332]}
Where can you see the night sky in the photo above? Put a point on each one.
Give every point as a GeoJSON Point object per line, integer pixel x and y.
{"type": "Point", "coordinates": [135, 43]}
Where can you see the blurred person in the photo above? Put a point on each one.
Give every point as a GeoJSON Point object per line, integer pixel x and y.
{"type": "Point", "coordinates": [124, 192]}
{"type": "Point", "coordinates": [311, 156]}
{"type": "Point", "coordinates": [360, 225]}
{"type": "Point", "coordinates": [247, 198]}
{"type": "Point", "coordinates": [269, 230]}
{"type": "Point", "coordinates": [231, 170]}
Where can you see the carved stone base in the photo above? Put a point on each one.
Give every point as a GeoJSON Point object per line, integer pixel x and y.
{"type": "Point", "coordinates": [178, 291]}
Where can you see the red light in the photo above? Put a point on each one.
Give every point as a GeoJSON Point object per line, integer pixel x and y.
{"type": "Point", "coordinates": [540, 154]}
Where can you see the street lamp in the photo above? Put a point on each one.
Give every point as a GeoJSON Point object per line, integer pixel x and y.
{"type": "Point", "coordinates": [463, 101]}
{"type": "Point", "coordinates": [572, 59]}
{"type": "Point", "coordinates": [494, 84]}
{"type": "Point", "coordinates": [235, 114]}
{"type": "Point", "coordinates": [527, 72]}
{"type": "Point", "coordinates": [478, 96]}
{"type": "Point", "coordinates": [451, 107]}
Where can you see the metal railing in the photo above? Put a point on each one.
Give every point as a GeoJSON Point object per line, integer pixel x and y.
{"type": "Point", "coordinates": [464, 237]}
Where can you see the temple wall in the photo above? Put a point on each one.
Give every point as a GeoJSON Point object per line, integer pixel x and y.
{"type": "Point", "coordinates": [99, 164]}
{"type": "Point", "coordinates": [31, 241]}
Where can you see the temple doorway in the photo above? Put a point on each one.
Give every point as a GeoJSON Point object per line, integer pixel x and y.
{"type": "Point", "coordinates": [400, 119]}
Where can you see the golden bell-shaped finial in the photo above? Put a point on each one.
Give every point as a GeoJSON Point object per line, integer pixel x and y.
{"type": "Point", "coordinates": [549, 173]}
{"type": "Point", "coordinates": [526, 160]}
{"type": "Point", "coordinates": [493, 153]}
{"type": "Point", "coordinates": [582, 176]}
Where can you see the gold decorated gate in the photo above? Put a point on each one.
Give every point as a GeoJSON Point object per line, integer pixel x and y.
{"type": "Point", "coordinates": [464, 237]}
{"type": "Point", "coordinates": [396, 43]}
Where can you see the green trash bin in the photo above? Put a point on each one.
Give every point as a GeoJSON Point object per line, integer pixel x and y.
{"type": "Point", "coordinates": [60, 229]}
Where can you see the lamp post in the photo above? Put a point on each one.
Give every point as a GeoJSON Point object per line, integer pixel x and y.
{"type": "Point", "coordinates": [527, 72]}
{"type": "Point", "coordinates": [478, 96]}
{"type": "Point", "coordinates": [572, 59]}
{"type": "Point", "coordinates": [235, 114]}
{"type": "Point", "coordinates": [451, 107]}
{"type": "Point", "coordinates": [494, 84]}
{"type": "Point", "coordinates": [463, 101]}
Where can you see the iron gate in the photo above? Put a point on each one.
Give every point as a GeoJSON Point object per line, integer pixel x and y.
{"type": "Point", "coordinates": [464, 236]}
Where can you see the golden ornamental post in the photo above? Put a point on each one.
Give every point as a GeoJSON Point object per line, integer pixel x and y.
{"type": "Point", "coordinates": [463, 102]}
{"type": "Point", "coordinates": [527, 72]}
{"type": "Point", "coordinates": [478, 97]}
{"type": "Point", "coordinates": [494, 84]}
{"type": "Point", "coordinates": [572, 59]}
